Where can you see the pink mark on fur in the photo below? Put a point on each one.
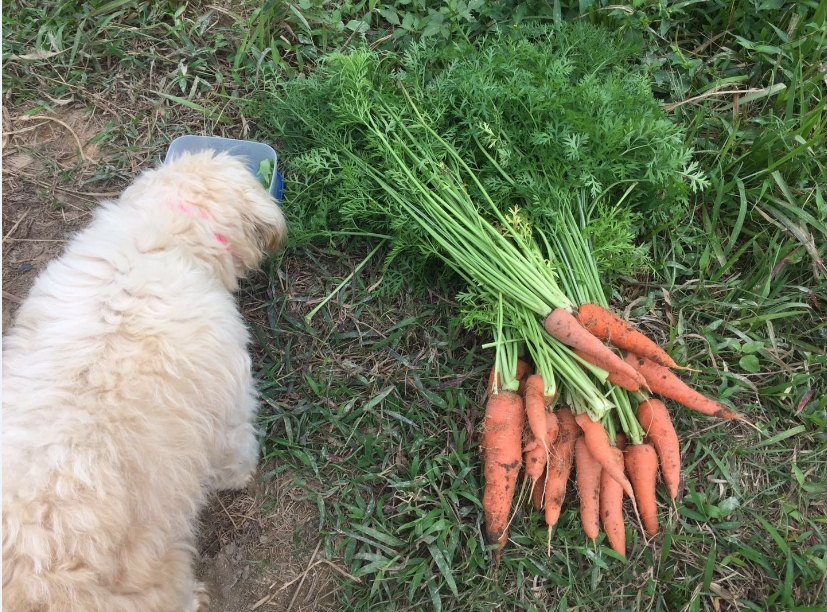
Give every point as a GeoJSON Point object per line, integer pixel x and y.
{"type": "Point", "coordinates": [189, 209]}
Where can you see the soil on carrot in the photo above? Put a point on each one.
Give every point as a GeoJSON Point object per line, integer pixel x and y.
{"type": "Point", "coordinates": [256, 546]}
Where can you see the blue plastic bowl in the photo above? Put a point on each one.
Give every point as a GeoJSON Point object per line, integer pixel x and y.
{"type": "Point", "coordinates": [253, 152]}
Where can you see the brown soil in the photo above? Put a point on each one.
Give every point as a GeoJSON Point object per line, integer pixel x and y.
{"type": "Point", "coordinates": [258, 548]}
{"type": "Point", "coordinates": [259, 551]}
{"type": "Point", "coordinates": [39, 213]}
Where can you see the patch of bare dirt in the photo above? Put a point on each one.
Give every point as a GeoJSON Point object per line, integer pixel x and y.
{"type": "Point", "coordinates": [39, 214]}
{"type": "Point", "coordinates": [260, 550]}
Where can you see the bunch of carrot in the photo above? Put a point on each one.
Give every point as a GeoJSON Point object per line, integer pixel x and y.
{"type": "Point", "coordinates": [607, 468]}
{"type": "Point", "coordinates": [538, 284]}
{"type": "Point", "coordinates": [520, 247]}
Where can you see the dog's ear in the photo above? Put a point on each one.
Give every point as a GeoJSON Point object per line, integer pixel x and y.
{"type": "Point", "coordinates": [272, 229]}
{"type": "Point", "coordinates": [273, 237]}
{"type": "Point", "coordinates": [265, 229]}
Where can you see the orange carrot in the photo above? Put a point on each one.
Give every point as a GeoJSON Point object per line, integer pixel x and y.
{"type": "Point", "coordinates": [536, 454]}
{"type": "Point", "coordinates": [501, 442]}
{"type": "Point", "coordinates": [665, 383]}
{"type": "Point", "coordinates": [535, 409]}
{"type": "Point", "coordinates": [588, 482]}
{"type": "Point", "coordinates": [523, 372]}
{"type": "Point", "coordinates": [618, 378]}
{"type": "Point", "coordinates": [654, 418]}
{"type": "Point", "coordinates": [611, 508]}
{"type": "Point", "coordinates": [559, 465]}
{"type": "Point", "coordinates": [620, 441]}
{"type": "Point", "coordinates": [600, 449]}
{"type": "Point", "coordinates": [642, 466]}
{"type": "Point", "coordinates": [561, 325]}
{"type": "Point", "coordinates": [534, 458]}
{"type": "Point", "coordinates": [538, 493]}
{"type": "Point", "coordinates": [552, 428]}
{"type": "Point", "coordinates": [611, 328]}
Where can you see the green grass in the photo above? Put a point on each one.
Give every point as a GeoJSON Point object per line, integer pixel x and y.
{"type": "Point", "coordinates": [751, 527]}
{"type": "Point", "coordinates": [147, 72]}
{"type": "Point", "coordinates": [361, 403]}
{"type": "Point", "coordinates": [373, 408]}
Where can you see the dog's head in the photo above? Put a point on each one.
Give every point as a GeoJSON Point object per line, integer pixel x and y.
{"type": "Point", "coordinates": [218, 191]}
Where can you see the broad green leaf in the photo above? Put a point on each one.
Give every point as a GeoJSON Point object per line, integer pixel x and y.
{"type": "Point", "coordinates": [752, 347]}
{"type": "Point", "coordinates": [390, 15]}
{"type": "Point", "coordinates": [750, 363]}
{"type": "Point", "coordinates": [729, 505]}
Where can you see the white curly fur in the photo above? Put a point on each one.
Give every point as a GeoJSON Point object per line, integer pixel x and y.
{"type": "Point", "coordinates": [127, 393]}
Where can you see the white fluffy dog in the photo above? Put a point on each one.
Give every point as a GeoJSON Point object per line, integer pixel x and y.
{"type": "Point", "coordinates": [128, 395]}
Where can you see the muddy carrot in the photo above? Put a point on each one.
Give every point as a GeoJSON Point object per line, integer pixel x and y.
{"type": "Point", "coordinates": [536, 454]}
{"type": "Point", "coordinates": [617, 378]}
{"type": "Point", "coordinates": [537, 496]}
{"type": "Point", "coordinates": [654, 418]}
{"type": "Point", "coordinates": [501, 443]}
{"type": "Point", "coordinates": [600, 448]}
{"type": "Point", "coordinates": [559, 465]}
{"type": "Point", "coordinates": [665, 383]}
{"type": "Point", "coordinates": [535, 409]}
{"type": "Point", "coordinates": [588, 484]}
{"type": "Point", "coordinates": [612, 329]}
{"type": "Point", "coordinates": [561, 325]}
{"type": "Point", "coordinates": [611, 508]}
{"type": "Point", "coordinates": [642, 466]}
